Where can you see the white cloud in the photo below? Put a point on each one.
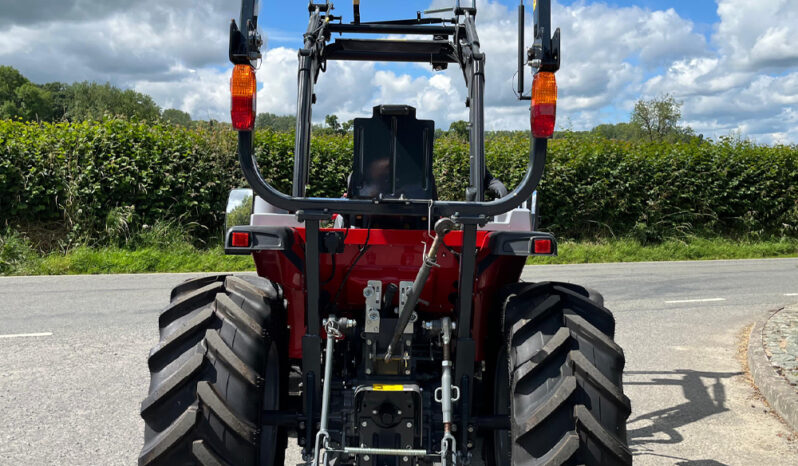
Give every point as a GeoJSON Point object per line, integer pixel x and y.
{"type": "Point", "coordinates": [750, 85]}
{"type": "Point", "coordinates": [205, 93]}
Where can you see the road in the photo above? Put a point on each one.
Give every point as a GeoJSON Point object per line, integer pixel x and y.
{"type": "Point", "coordinates": [73, 352]}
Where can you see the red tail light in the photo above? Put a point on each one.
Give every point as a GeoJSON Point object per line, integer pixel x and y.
{"type": "Point", "coordinates": [542, 246]}
{"type": "Point", "coordinates": [240, 239]}
{"type": "Point", "coordinates": [544, 105]}
{"type": "Point", "coordinates": [244, 89]}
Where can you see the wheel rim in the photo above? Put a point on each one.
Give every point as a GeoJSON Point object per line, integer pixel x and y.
{"type": "Point", "coordinates": [502, 440]}
{"type": "Point", "coordinates": [271, 402]}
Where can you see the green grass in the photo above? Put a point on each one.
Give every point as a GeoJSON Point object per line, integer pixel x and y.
{"type": "Point", "coordinates": [16, 257]}
{"type": "Point", "coordinates": [85, 260]}
{"type": "Point", "coordinates": [627, 250]}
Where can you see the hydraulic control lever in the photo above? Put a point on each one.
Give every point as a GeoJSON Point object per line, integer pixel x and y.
{"type": "Point", "coordinates": [442, 227]}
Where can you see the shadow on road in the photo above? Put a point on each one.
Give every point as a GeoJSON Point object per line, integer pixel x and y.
{"type": "Point", "coordinates": [704, 394]}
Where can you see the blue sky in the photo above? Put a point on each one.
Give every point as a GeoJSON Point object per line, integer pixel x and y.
{"type": "Point", "coordinates": [287, 20]}
{"type": "Point", "coordinates": [732, 63]}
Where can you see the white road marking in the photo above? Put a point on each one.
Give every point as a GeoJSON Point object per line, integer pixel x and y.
{"type": "Point", "coordinates": [790, 294]}
{"type": "Point", "coordinates": [708, 300]}
{"type": "Point", "coordinates": [27, 335]}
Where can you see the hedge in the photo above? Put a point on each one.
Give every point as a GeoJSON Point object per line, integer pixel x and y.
{"type": "Point", "coordinates": [93, 182]}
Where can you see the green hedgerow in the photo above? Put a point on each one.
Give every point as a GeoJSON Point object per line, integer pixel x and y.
{"type": "Point", "coordinates": [101, 183]}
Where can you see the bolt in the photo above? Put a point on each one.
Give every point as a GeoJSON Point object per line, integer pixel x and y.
{"type": "Point", "coordinates": [399, 412]}
{"type": "Point", "coordinates": [366, 458]}
{"type": "Point", "coordinates": [374, 412]}
{"type": "Point", "coordinates": [409, 425]}
{"type": "Point", "coordinates": [408, 342]}
{"type": "Point", "coordinates": [454, 427]}
{"type": "Point", "coordinates": [368, 342]}
{"type": "Point", "coordinates": [405, 459]}
{"type": "Point", "coordinates": [368, 291]}
{"type": "Point", "coordinates": [301, 425]}
{"type": "Point", "coordinates": [368, 371]}
{"type": "Point", "coordinates": [407, 371]}
{"type": "Point", "coordinates": [471, 429]}
{"type": "Point", "coordinates": [470, 445]}
{"type": "Point", "coordinates": [364, 424]}
{"type": "Point", "coordinates": [373, 315]}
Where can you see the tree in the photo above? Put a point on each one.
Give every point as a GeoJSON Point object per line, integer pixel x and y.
{"type": "Point", "coordinates": [275, 123]}
{"type": "Point", "coordinates": [92, 101]}
{"type": "Point", "coordinates": [176, 117]}
{"type": "Point", "coordinates": [60, 97]}
{"type": "Point", "coordinates": [658, 118]}
{"type": "Point", "coordinates": [459, 129]}
{"type": "Point", "coordinates": [34, 103]}
{"type": "Point", "coordinates": [619, 131]}
{"type": "Point", "coordinates": [331, 121]}
{"type": "Point", "coordinates": [10, 81]}
{"type": "Point", "coordinates": [20, 98]}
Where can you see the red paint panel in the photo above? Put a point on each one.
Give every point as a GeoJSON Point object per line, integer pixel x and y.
{"type": "Point", "coordinates": [392, 256]}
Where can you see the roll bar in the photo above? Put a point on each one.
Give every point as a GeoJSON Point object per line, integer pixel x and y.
{"type": "Point", "coordinates": [455, 40]}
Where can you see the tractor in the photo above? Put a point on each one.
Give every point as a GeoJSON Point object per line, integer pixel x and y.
{"type": "Point", "coordinates": [387, 326]}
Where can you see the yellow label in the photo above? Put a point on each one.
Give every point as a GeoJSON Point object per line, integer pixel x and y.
{"type": "Point", "coordinates": [534, 5]}
{"type": "Point", "coordinates": [388, 388]}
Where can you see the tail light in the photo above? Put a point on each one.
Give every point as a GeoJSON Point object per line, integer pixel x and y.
{"type": "Point", "coordinates": [544, 104]}
{"type": "Point", "coordinates": [542, 246]}
{"type": "Point", "coordinates": [244, 89]}
{"type": "Point", "coordinates": [240, 239]}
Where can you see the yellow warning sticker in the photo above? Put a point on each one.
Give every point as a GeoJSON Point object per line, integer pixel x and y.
{"type": "Point", "coordinates": [388, 388]}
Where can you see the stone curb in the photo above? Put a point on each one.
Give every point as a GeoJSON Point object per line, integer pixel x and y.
{"type": "Point", "coordinates": [781, 396]}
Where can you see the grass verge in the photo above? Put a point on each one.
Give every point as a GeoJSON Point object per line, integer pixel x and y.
{"type": "Point", "coordinates": [628, 250]}
{"type": "Point", "coordinates": [85, 260]}
{"type": "Point", "coordinates": [16, 259]}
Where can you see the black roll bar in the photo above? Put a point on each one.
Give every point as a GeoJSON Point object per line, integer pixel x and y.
{"type": "Point", "coordinates": [463, 48]}
{"type": "Point", "coordinates": [412, 207]}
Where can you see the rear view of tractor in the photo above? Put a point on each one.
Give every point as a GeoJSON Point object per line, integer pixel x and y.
{"type": "Point", "coordinates": [388, 327]}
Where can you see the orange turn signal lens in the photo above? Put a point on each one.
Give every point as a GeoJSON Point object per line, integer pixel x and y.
{"type": "Point", "coordinates": [244, 91]}
{"type": "Point", "coordinates": [544, 104]}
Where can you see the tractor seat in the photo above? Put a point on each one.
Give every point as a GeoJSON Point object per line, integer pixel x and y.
{"type": "Point", "coordinates": [392, 160]}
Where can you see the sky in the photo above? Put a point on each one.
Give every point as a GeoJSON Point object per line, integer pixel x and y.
{"type": "Point", "coordinates": [732, 63]}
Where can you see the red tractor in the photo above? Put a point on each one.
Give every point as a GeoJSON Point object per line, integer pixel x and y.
{"type": "Point", "coordinates": [388, 327]}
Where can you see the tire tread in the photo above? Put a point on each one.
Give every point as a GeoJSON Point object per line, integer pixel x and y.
{"type": "Point", "coordinates": [567, 400]}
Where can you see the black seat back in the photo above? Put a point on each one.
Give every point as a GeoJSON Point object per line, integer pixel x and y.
{"type": "Point", "coordinates": [393, 155]}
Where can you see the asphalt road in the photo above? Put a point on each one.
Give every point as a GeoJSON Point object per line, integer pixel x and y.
{"type": "Point", "coordinates": [73, 352]}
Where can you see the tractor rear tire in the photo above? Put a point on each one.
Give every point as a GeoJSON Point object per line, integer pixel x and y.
{"type": "Point", "coordinates": [219, 364]}
{"type": "Point", "coordinates": [563, 380]}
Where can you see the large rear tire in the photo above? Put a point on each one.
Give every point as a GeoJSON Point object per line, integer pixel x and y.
{"type": "Point", "coordinates": [559, 378]}
{"type": "Point", "coordinates": [219, 364]}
